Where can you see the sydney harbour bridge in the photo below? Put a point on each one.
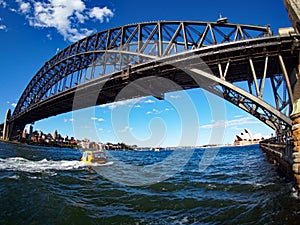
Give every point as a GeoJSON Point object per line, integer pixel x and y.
{"type": "Point", "coordinates": [237, 62]}
{"type": "Point", "coordinates": [106, 62]}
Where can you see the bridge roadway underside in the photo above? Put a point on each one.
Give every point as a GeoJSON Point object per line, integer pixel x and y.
{"type": "Point", "coordinates": [149, 77]}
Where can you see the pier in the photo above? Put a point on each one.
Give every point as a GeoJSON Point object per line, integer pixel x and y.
{"type": "Point", "coordinates": [284, 149]}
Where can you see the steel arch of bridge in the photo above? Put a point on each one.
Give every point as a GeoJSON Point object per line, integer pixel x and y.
{"type": "Point", "coordinates": [115, 50]}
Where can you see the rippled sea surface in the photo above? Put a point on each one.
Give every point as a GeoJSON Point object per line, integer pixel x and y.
{"type": "Point", "coordinates": [50, 186]}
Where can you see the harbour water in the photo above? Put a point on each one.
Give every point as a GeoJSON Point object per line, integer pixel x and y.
{"type": "Point", "coordinates": [50, 186]}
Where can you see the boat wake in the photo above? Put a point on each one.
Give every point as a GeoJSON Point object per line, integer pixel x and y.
{"type": "Point", "coordinates": [48, 166]}
{"type": "Point", "coordinates": [99, 165]}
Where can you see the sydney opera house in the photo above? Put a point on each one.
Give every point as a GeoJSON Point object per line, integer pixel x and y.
{"type": "Point", "coordinates": [246, 138]}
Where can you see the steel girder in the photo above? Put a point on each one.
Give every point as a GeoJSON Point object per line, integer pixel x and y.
{"type": "Point", "coordinates": [243, 72]}
{"type": "Point", "coordinates": [112, 50]}
{"type": "Point", "coordinates": [222, 46]}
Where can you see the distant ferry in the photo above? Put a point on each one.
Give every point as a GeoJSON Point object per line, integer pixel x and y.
{"type": "Point", "coordinates": [157, 149]}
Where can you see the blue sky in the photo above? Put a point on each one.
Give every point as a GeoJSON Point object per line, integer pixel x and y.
{"type": "Point", "coordinates": [32, 31]}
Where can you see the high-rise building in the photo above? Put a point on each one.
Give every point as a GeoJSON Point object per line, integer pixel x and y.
{"type": "Point", "coordinates": [30, 131]}
{"type": "Point", "coordinates": [24, 134]}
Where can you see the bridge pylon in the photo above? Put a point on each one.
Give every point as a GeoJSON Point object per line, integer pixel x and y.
{"type": "Point", "coordinates": [7, 126]}
{"type": "Point", "coordinates": [293, 9]}
{"type": "Point", "coordinates": [12, 129]}
{"type": "Point", "coordinates": [295, 117]}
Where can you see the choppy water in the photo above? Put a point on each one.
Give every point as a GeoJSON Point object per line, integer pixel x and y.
{"type": "Point", "coordinates": [50, 186]}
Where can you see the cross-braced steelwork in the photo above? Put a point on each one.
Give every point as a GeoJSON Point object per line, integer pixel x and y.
{"type": "Point", "coordinates": [236, 54]}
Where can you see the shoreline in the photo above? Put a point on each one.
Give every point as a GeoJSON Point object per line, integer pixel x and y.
{"type": "Point", "coordinates": [39, 144]}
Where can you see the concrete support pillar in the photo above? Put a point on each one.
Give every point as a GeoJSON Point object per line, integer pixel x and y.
{"type": "Point", "coordinates": [293, 9]}
{"type": "Point", "coordinates": [295, 116]}
{"type": "Point", "coordinates": [7, 126]}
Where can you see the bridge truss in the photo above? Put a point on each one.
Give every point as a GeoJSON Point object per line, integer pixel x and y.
{"type": "Point", "coordinates": [244, 60]}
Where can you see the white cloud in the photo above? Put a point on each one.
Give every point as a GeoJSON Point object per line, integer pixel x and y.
{"type": "Point", "coordinates": [238, 116]}
{"type": "Point", "coordinates": [13, 10]}
{"type": "Point", "coordinates": [60, 15]}
{"type": "Point", "coordinates": [113, 105]}
{"type": "Point", "coordinates": [98, 119]}
{"type": "Point", "coordinates": [2, 26]}
{"type": "Point", "coordinates": [66, 16]}
{"type": "Point", "coordinates": [11, 104]}
{"type": "Point", "coordinates": [174, 96]}
{"type": "Point", "coordinates": [24, 6]}
{"type": "Point", "coordinates": [49, 36]}
{"type": "Point", "coordinates": [230, 123]}
{"type": "Point", "coordinates": [3, 3]}
{"type": "Point", "coordinates": [154, 111]}
{"type": "Point", "coordinates": [101, 13]}
{"type": "Point", "coordinates": [149, 101]}
{"type": "Point", "coordinates": [129, 102]}
{"type": "Point", "coordinates": [168, 109]}
{"type": "Point", "coordinates": [126, 129]}
{"type": "Point", "coordinates": [68, 120]}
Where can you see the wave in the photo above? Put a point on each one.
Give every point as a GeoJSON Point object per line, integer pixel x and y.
{"type": "Point", "coordinates": [25, 165]}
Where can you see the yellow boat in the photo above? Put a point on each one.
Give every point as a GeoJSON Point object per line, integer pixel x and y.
{"type": "Point", "coordinates": [94, 157]}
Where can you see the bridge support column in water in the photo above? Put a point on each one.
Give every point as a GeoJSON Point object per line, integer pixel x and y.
{"type": "Point", "coordinates": [12, 130]}
{"type": "Point", "coordinates": [7, 126]}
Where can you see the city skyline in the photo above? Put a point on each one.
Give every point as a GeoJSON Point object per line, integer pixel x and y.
{"type": "Point", "coordinates": [37, 26]}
